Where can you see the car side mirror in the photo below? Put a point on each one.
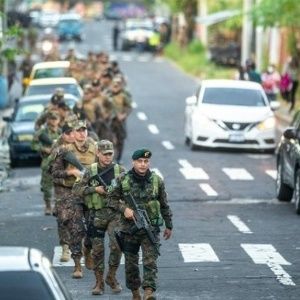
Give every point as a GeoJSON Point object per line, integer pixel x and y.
{"type": "Point", "coordinates": [7, 119]}
{"type": "Point", "coordinates": [274, 105]}
{"type": "Point", "coordinates": [290, 133]}
{"type": "Point", "coordinates": [191, 100]}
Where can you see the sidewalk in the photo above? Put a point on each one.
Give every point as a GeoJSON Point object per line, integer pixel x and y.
{"type": "Point", "coordinates": [283, 116]}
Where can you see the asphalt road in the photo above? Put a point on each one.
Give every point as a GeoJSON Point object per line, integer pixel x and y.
{"type": "Point", "coordinates": [232, 239]}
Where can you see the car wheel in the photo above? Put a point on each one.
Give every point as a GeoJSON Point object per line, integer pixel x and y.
{"type": "Point", "coordinates": [283, 191]}
{"type": "Point", "coordinates": [297, 192]}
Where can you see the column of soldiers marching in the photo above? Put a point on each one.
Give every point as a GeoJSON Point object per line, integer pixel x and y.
{"type": "Point", "coordinates": [93, 193]}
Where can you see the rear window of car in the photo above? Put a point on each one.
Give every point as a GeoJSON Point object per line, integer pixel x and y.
{"type": "Point", "coordinates": [233, 96]}
{"type": "Point", "coordinates": [25, 285]}
{"type": "Point", "coordinates": [49, 89]}
{"type": "Point", "coordinates": [28, 112]}
{"type": "Point", "coordinates": [50, 73]}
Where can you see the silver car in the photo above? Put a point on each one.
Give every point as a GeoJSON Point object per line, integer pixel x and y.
{"type": "Point", "coordinates": [25, 273]}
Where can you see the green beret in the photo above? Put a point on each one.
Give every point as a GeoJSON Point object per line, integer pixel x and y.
{"type": "Point", "coordinates": [141, 153]}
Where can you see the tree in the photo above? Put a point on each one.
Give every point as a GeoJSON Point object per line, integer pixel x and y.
{"type": "Point", "coordinates": [281, 13]}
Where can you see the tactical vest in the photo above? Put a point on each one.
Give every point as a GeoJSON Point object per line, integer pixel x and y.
{"type": "Point", "coordinates": [95, 200]}
{"type": "Point", "coordinates": [89, 109]}
{"type": "Point", "coordinates": [86, 158]}
{"type": "Point", "coordinates": [152, 205]}
{"type": "Point", "coordinates": [119, 102]}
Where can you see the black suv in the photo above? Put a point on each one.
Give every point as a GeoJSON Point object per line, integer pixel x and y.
{"type": "Point", "coordinates": [288, 164]}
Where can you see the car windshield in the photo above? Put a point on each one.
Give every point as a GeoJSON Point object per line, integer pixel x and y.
{"type": "Point", "coordinates": [24, 285]}
{"type": "Point", "coordinates": [50, 88]}
{"type": "Point", "coordinates": [50, 73]}
{"type": "Point", "coordinates": [233, 96]}
{"type": "Point", "coordinates": [28, 112]}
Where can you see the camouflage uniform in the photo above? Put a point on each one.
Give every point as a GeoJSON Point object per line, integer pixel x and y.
{"type": "Point", "coordinates": [40, 146]}
{"type": "Point", "coordinates": [149, 193]}
{"type": "Point", "coordinates": [121, 104]}
{"type": "Point", "coordinates": [101, 218]}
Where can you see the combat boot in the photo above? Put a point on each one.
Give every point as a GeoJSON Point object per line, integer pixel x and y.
{"type": "Point", "coordinates": [112, 281]}
{"type": "Point", "coordinates": [65, 255]}
{"type": "Point", "coordinates": [148, 294]}
{"type": "Point", "coordinates": [48, 211]}
{"type": "Point", "coordinates": [77, 270]}
{"type": "Point", "coordinates": [136, 295]}
{"type": "Point", "coordinates": [99, 287]}
{"type": "Point", "coordinates": [88, 259]}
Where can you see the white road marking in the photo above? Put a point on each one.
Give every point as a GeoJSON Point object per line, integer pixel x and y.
{"type": "Point", "coordinates": [268, 255]}
{"type": "Point", "coordinates": [142, 116]}
{"type": "Point", "coordinates": [158, 59]}
{"type": "Point", "coordinates": [158, 172]}
{"type": "Point", "coordinates": [246, 202]}
{"type": "Point", "coordinates": [24, 181]}
{"type": "Point", "coordinates": [272, 173]}
{"type": "Point", "coordinates": [198, 253]}
{"type": "Point", "coordinates": [127, 58]}
{"type": "Point", "coordinates": [239, 224]}
{"type": "Point", "coordinates": [208, 189]}
{"type": "Point", "coordinates": [134, 105]}
{"type": "Point", "coordinates": [237, 174]}
{"type": "Point", "coordinates": [168, 145]}
{"type": "Point", "coordinates": [191, 173]}
{"type": "Point", "coordinates": [260, 156]}
{"type": "Point", "coordinates": [143, 58]}
{"type": "Point", "coordinates": [153, 129]}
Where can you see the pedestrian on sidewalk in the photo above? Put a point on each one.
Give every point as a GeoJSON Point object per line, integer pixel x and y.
{"type": "Point", "coordinates": [270, 82]}
{"type": "Point", "coordinates": [292, 69]}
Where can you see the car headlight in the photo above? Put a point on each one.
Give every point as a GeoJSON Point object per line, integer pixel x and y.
{"type": "Point", "coordinates": [267, 124]}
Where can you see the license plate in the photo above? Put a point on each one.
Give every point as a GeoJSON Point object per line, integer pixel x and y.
{"type": "Point", "coordinates": [236, 137]}
{"type": "Point", "coordinates": [25, 137]}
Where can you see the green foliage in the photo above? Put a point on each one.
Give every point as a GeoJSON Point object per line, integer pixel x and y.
{"type": "Point", "coordinates": [280, 13]}
{"type": "Point", "coordinates": [193, 60]}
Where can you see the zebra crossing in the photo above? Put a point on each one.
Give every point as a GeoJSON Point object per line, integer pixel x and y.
{"type": "Point", "coordinates": [201, 252]}
{"type": "Point", "coordinates": [197, 253]}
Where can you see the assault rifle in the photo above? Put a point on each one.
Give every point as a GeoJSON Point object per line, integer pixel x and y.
{"type": "Point", "coordinates": [73, 160]}
{"type": "Point", "coordinates": [141, 222]}
{"type": "Point", "coordinates": [45, 139]}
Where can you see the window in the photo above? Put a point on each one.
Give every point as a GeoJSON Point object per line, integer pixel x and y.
{"type": "Point", "coordinates": [28, 112]}
{"type": "Point", "coordinates": [233, 96]}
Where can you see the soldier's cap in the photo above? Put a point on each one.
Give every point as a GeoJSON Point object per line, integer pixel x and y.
{"type": "Point", "coordinates": [68, 126]}
{"type": "Point", "coordinates": [117, 80]}
{"type": "Point", "coordinates": [106, 73]}
{"type": "Point", "coordinates": [55, 99]}
{"type": "Point", "coordinates": [141, 153]}
{"type": "Point", "coordinates": [59, 91]}
{"type": "Point", "coordinates": [105, 146]}
{"type": "Point", "coordinates": [72, 119]}
{"type": "Point", "coordinates": [87, 88]}
{"type": "Point", "coordinates": [53, 115]}
{"type": "Point", "coordinates": [95, 82]}
{"type": "Point", "coordinates": [80, 124]}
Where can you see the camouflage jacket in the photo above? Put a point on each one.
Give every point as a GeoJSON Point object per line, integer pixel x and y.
{"type": "Point", "coordinates": [142, 192]}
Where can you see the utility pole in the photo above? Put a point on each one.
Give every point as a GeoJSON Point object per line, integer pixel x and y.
{"type": "Point", "coordinates": [202, 28]}
{"type": "Point", "coordinates": [247, 31]}
{"type": "Point", "coordinates": [259, 45]}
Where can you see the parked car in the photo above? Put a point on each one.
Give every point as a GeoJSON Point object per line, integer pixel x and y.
{"type": "Point", "coordinates": [49, 69]}
{"type": "Point", "coordinates": [230, 114]}
{"type": "Point", "coordinates": [48, 19]}
{"type": "Point", "coordinates": [19, 131]}
{"type": "Point", "coordinates": [288, 164]}
{"type": "Point", "coordinates": [25, 273]}
{"type": "Point", "coordinates": [48, 85]}
{"type": "Point", "coordinates": [70, 27]}
{"type": "Point", "coordinates": [137, 32]}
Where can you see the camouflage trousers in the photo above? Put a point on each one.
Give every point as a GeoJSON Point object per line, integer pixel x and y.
{"type": "Point", "coordinates": [102, 221]}
{"type": "Point", "coordinates": [46, 182]}
{"type": "Point", "coordinates": [70, 217]}
{"type": "Point", "coordinates": [62, 229]}
{"type": "Point", "coordinates": [132, 244]}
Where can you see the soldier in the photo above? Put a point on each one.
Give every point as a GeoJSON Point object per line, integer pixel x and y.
{"type": "Point", "coordinates": [121, 109]}
{"type": "Point", "coordinates": [105, 82]}
{"type": "Point", "coordinates": [42, 142]}
{"type": "Point", "coordinates": [65, 174]}
{"type": "Point", "coordinates": [148, 190]}
{"type": "Point", "coordinates": [56, 98]}
{"type": "Point", "coordinates": [102, 218]}
{"type": "Point", "coordinates": [60, 211]}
